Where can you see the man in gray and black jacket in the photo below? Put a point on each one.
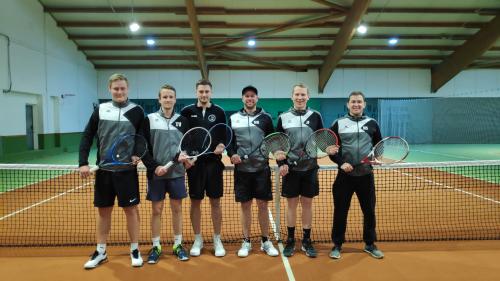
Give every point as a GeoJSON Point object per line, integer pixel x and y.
{"type": "Point", "coordinates": [357, 136]}
{"type": "Point", "coordinates": [252, 175]}
{"type": "Point", "coordinates": [109, 121]}
{"type": "Point", "coordinates": [300, 173]}
{"type": "Point", "coordinates": [164, 130]}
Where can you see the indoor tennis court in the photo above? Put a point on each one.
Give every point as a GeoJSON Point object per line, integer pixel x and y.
{"type": "Point", "coordinates": [429, 71]}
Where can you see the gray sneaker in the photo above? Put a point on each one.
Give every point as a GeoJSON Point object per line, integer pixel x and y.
{"type": "Point", "coordinates": [374, 251]}
{"type": "Point", "coordinates": [335, 252]}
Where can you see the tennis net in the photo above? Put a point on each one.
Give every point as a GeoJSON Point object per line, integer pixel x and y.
{"type": "Point", "coordinates": [50, 205]}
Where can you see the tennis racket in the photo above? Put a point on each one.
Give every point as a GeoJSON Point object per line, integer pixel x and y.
{"type": "Point", "coordinates": [388, 151]}
{"type": "Point", "coordinates": [220, 133]}
{"type": "Point", "coordinates": [195, 142]}
{"type": "Point", "coordinates": [317, 144]}
{"type": "Point", "coordinates": [271, 144]}
{"type": "Point", "coordinates": [124, 152]}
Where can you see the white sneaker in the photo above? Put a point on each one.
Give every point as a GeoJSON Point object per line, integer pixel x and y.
{"type": "Point", "coordinates": [269, 248]}
{"type": "Point", "coordinates": [136, 258]}
{"type": "Point", "coordinates": [196, 248]}
{"type": "Point", "coordinates": [95, 260]}
{"type": "Point", "coordinates": [219, 248]}
{"type": "Point", "coordinates": [246, 247]}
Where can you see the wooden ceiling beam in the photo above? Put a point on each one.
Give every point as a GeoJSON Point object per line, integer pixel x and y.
{"type": "Point", "coordinates": [277, 29]}
{"type": "Point", "coordinates": [256, 60]}
{"type": "Point", "coordinates": [332, 5]}
{"type": "Point", "coordinates": [298, 11]}
{"type": "Point", "coordinates": [251, 67]}
{"type": "Point", "coordinates": [341, 43]}
{"type": "Point", "coordinates": [219, 36]}
{"type": "Point", "coordinates": [257, 25]}
{"type": "Point", "coordinates": [195, 30]}
{"type": "Point", "coordinates": [465, 54]}
{"type": "Point", "coordinates": [281, 58]}
{"type": "Point", "coordinates": [269, 49]}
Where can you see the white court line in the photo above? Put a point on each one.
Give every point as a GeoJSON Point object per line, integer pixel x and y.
{"type": "Point", "coordinates": [286, 264]}
{"type": "Point", "coordinates": [450, 187]}
{"type": "Point", "coordinates": [445, 154]}
{"type": "Point", "coordinates": [45, 201]}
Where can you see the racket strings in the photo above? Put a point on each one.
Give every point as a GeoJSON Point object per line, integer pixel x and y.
{"type": "Point", "coordinates": [221, 133]}
{"type": "Point", "coordinates": [391, 150]}
{"type": "Point", "coordinates": [274, 143]}
{"type": "Point", "coordinates": [195, 142]}
{"type": "Point", "coordinates": [128, 146]}
{"type": "Point", "coordinates": [319, 142]}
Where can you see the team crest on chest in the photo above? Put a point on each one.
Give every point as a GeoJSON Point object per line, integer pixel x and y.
{"type": "Point", "coordinates": [211, 117]}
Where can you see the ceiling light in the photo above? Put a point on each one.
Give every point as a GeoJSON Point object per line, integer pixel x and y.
{"type": "Point", "coordinates": [362, 29]}
{"type": "Point", "coordinates": [251, 42]}
{"type": "Point", "coordinates": [393, 41]}
{"type": "Point", "coordinates": [134, 27]}
{"type": "Point", "coordinates": [150, 42]}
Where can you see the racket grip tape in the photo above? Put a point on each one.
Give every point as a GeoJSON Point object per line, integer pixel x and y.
{"type": "Point", "coordinates": [169, 164]}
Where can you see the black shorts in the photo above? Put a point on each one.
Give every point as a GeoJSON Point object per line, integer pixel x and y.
{"type": "Point", "coordinates": [303, 183]}
{"type": "Point", "coordinates": [249, 185]}
{"type": "Point", "coordinates": [158, 187]}
{"type": "Point", "coordinates": [206, 176]}
{"type": "Point", "coordinates": [123, 185]}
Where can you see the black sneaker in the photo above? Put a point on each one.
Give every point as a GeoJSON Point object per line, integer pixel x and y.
{"type": "Point", "coordinates": [308, 248]}
{"type": "Point", "coordinates": [289, 248]}
{"type": "Point", "coordinates": [181, 254]}
{"type": "Point", "coordinates": [154, 255]}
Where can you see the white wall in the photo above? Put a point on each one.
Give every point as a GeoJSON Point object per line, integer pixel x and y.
{"type": "Point", "coordinates": [144, 84]}
{"type": "Point", "coordinates": [375, 83]}
{"type": "Point", "coordinates": [44, 66]}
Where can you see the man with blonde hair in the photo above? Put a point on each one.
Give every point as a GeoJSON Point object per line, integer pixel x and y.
{"type": "Point", "coordinates": [109, 121]}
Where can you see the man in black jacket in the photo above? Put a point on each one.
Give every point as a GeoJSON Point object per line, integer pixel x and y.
{"type": "Point", "coordinates": [206, 174]}
{"type": "Point", "coordinates": [357, 136]}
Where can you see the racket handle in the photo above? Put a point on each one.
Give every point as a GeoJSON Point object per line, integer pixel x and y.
{"type": "Point", "coordinates": [168, 165]}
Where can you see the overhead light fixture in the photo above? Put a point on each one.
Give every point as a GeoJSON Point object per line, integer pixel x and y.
{"type": "Point", "coordinates": [251, 42]}
{"type": "Point", "coordinates": [134, 26]}
{"type": "Point", "coordinates": [393, 41]}
{"type": "Point", "coordinates": [150, 42]}
{"type": "Point", "coordinates": [362, 29]}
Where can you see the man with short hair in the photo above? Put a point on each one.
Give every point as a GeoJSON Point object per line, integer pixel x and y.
{"type": "Point", "coordinates": [300, 174]}
{"type": "Point", "coordinates": [358, 134]}
{"type": "Point", "coordinates": [206, 174]}
{"type": "Point", "coordinates": [164, 130]}
{"type": "Point", "coordinates": [108, 121]}
{"type": "Point", "coordinates": [252, 176]}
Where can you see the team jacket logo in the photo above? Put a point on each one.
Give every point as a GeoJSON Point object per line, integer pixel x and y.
{"type": "Point", "coordinates": [211, 117]}
{"type": "Point", "coordinates": [364, 128]}
{"type": "Point", "coordinates": [307, 122]}
{"type": "Point", "coordinates": [178, 124]}
{"type": "Point", "coordinates": [256, 122]}
{"type": "Point", "coordinates": [194, 116]}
